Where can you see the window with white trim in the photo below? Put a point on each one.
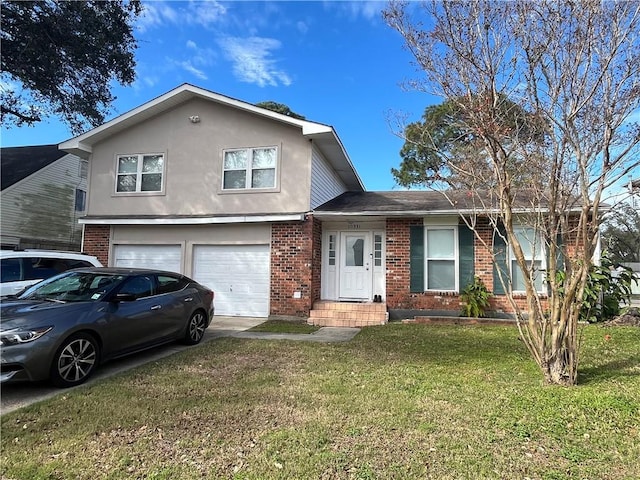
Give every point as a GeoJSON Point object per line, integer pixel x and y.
{"type": "Point", "coordinates": [81, 200]}
{"type": "Point", "coordinates": [137, 173]}
{"type": "Point", "coordinates": [534, 254]}
{"type": "Point", "coordinates": [441, 259]}
{"type": "Point", "coordinates": [250, 168]}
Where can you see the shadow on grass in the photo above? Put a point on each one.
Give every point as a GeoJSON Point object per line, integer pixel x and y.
{"type": "Point", "coordinates": [443, 344]}
{"type": "Point", "coordinates": [615, 369]}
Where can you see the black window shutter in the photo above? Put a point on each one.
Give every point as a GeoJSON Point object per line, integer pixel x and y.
{"type": "Point", "coordinates": [500, 252]}
{"type": "Point", "coordinates": [416, 258]}
{"type": "Point", "coordinates": [466, 269]}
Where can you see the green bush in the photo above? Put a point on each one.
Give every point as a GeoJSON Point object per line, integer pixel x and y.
{"type": "Point", "coordinates": [475, 299]}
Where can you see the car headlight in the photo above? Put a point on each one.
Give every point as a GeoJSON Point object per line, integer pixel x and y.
{"type": "Point", "coordinates": [18, 336]}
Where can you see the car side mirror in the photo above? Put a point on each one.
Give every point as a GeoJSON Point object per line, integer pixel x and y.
{"type": "Point", "coordinates": [123, 297]}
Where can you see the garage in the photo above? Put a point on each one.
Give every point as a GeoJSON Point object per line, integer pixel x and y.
{"type": "Point", "coordinates": [160, 257]}
{"type": "Point", "coordinates": [239, 276]}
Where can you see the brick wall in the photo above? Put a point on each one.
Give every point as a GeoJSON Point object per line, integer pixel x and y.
{"type": "Point", "coordinates": [295, 267]}
{"type": "Point", "coordinates": [399, 295]}
{"type": "Point", "coordinates": [96, 242]}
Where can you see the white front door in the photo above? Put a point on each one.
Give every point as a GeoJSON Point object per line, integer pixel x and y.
{"type": "Point", "coordinates": [355, 266]}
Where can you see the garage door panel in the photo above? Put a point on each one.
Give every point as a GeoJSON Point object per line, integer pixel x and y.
{"type": "Point", "coordinates": [239, 276]}
{"type": "Point", "coordinates": [160, 257]}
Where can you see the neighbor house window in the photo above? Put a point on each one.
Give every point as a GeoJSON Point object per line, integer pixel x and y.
{"type": "Point", "coordinates": [533, 250]}
{"type": "Point", "coordinates": [250, 168]}
{"type": "Point", "coordinates": [440, 258]}
{"type": "Point", "coordinates": [84, 168]}
{"type": "Point", "coordinates": [81, 200]}
{"type": "Point", "coordinates": [139, 173]}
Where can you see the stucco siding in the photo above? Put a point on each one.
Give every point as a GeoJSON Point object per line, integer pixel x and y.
{"type": "Point", "coordinates": [193, 164]}
{"type": "Point", "coordinates": [325, 182]}
{"type": "Point", "coordinates": [40, 209]}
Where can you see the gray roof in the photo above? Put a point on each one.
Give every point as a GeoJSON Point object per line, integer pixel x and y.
{"type": "Point", "coordinates": [18, 163]}
{"type": "Point", "coordinates": [415, 202]}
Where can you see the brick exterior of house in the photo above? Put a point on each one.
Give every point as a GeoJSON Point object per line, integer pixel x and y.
{"type": "Point", "coordinates": [296, 263]}
{"type": "Point", "coordinates": [295, 267]}
{"type": "Point", "coordinates": [96, 242]}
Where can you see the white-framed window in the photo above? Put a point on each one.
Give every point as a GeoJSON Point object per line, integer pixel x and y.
{"type": "Point", "coordinates": [534, 254]}
{"type": "Point", "coordinates": [250, 168]}
{"type": "Point", "coordinates": [377, 250]}
{"type": "Point", "coordinates": [441, 258]}
{"type": "Point", "coordinates": [139, 173]}
{"type": "Point", "coordinates": [81, 200]}
{"type": "Point", "coordinates": [332, 249]}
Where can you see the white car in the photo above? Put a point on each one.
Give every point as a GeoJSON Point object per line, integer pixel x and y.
{"type": "Point", "coordinates": [22, 268]}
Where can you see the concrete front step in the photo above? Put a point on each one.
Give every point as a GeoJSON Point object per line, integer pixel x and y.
{"type": "Point", "coordinates": [348, 314]}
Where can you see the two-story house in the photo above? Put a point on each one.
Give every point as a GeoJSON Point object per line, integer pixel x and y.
{"type": "Point", "coordinates": [269, 212]}
{"type": "Point", "coordinates": [43, 196]}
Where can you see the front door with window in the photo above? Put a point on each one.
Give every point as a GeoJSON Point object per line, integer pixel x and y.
{"type": "Point", "coordinates": [355, 266]}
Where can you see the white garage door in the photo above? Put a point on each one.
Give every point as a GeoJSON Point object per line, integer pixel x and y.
{"type": "Point", "coordinates": [160, 257]}
{"type": "Point", "coordinates": [239, 276]}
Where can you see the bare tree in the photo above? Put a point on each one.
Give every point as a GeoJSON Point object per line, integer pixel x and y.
{"type": "Point", "coordinates": [574, 68]}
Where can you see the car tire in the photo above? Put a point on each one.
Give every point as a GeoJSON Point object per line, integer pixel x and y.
{"type": "Point", "coordinates": [75, 360]}
{"type": "Point", "coordinates": [196, 326]}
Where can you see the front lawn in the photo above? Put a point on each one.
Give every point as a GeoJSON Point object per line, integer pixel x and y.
{"type": "Point", "coordinates": [397, 402]}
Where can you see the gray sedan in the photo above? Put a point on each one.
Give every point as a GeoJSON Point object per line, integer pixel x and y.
{"type": "Point", "coordinates": [62, 328]}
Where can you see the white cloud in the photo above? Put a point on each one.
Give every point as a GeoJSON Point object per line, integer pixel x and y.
{"type": "Point", "coordinates": [205, 13]}
{"type": "Point", "coordinates": [186, 65]}
{"type": "Point", "coordinates": [368, 9]}
{"type": "Point", "coordinates": [252, 62]}
{"type": "Point", "coordinates": [159, 13]}
{"type": "Point", "coordinates": [302, 27]}
{"type": "Point", "coordinates": [156, 14]}
{"type": "Point", "coordinates": [192, 45]}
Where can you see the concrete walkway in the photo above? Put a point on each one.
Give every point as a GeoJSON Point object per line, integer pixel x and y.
{"type": "Point", "coordinates": [236, 327]}
{"type": "Point", "coordinates": [14, 396]}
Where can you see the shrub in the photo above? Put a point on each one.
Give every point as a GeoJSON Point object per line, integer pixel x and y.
{"type": "Point", "coordinates": [475, 299]}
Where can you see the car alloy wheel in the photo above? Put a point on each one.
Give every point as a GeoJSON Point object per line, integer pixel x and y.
{"type": "Point", "coordinates": [196, 327]}
{"type": "Point", "coordinates": [75, 361]}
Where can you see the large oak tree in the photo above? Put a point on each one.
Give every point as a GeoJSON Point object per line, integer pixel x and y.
{"type": "Point", "coordinates": [573, 67]}
{"type": "Point", "coordinates": [59, 58]}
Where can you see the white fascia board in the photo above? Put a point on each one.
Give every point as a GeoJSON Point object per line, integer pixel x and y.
{"type": "Point", "coordinates": [193, 220]}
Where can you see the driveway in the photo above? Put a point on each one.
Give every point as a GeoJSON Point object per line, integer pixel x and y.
{"type": "Point", "coordinates": [20, 395]}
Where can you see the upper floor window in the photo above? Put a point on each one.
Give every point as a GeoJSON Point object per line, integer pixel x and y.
{"type": "Point", "coordinates": [533, 250]}
{"type": "Point", "coordinates": [250, 168]}
{"type": "Point", "coordinates": [140, 173]}
{"type": "Point", "coordinates": [441, 259]}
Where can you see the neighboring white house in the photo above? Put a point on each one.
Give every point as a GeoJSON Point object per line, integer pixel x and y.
{"type": "Point", "coordinates": [43, 194]}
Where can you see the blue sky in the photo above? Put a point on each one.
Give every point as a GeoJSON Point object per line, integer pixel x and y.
{"type": "Point", "coordinates": [334, 62]}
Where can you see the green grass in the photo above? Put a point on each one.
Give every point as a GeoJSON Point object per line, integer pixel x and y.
{"type": "Point", "coordinates": [284, 326]}
{"type": "Point", "coordinates": [397, 402]}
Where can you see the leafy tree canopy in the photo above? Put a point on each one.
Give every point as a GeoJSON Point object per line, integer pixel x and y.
{"type": "Point", "coordinates": [279, 108]}
{"type": "Point", "coordinates": [449, 140]}
{"type": "Point", "coordinates": [59, 58]}
{"type": "Point", "coordinates": [621, 234]}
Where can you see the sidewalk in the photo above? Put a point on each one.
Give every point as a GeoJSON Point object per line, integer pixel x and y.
{"type": "Point", "coordinates": [237, 326]}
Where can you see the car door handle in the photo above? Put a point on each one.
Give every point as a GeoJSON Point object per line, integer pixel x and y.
{"type": "Point", "coordinates": [156, 307]}
{"type": "Point", "coordinates": [188, 299]}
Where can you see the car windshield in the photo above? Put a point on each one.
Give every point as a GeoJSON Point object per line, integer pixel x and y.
{"type": "Point", "coordinates": [73, 287]}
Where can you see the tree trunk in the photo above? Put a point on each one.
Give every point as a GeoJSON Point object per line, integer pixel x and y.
{"type": "Point", "coordinates": [560, 365]}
